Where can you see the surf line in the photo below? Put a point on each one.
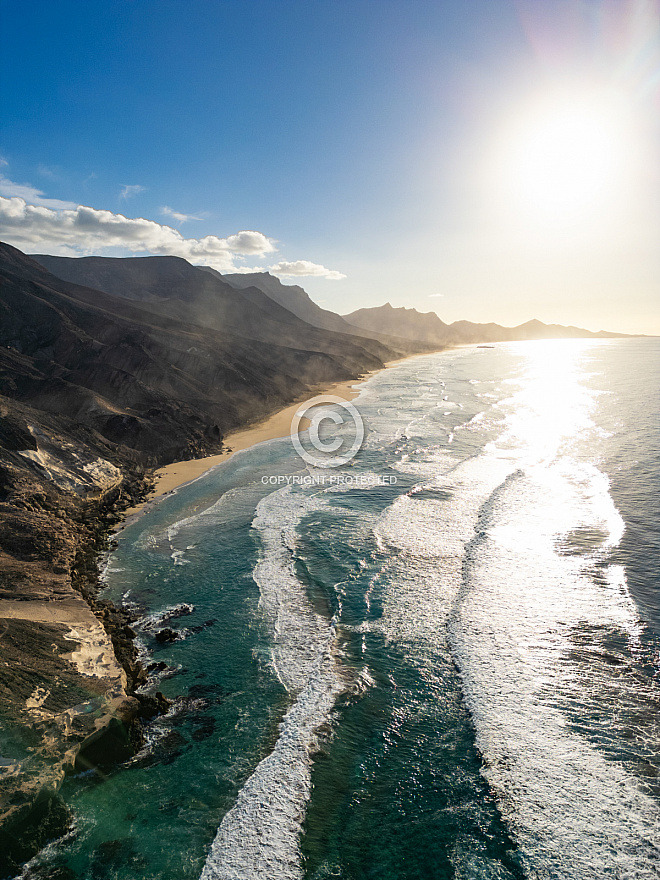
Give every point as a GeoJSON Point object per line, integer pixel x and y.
{"type": "Point", "coordinates": [259, 836]}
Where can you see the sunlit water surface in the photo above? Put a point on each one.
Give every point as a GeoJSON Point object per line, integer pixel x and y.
{"type": "Point", "coordinates": [453, 675]}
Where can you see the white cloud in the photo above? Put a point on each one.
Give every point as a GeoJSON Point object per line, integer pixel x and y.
{"type": "Point", "coordinates": [177, 215]}
{"type": "Point", "coordinates": [300, 268]}
{"type": "Point", "coordinates": [79, 230]}
{"type": "Point", "coordinates": [131, 190]}
{"type": "Point", "coordinates": [435, 294]}
{"type": "Point", "coordinates": [3, 161]}
{"type": "Point", "coordinates": [29, 193]}
{"type": "Point", "coordinates": [32, 222]}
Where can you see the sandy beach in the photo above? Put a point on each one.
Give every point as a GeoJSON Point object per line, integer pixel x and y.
{"type": "Point", "coordinates": [277, 425]}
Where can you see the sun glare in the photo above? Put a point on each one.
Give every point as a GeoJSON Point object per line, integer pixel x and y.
{"type": "Point", "coordinates": [566, 157]}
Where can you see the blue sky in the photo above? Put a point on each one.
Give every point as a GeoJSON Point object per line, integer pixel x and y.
{"type": "Point", "coordinates": [356, 137]}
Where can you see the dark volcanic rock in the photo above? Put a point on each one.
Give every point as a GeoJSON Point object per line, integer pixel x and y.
{"type": "Point", "coordinates": [153, 363]}
{"type": "Point", "coordinates": [170, 288]}
{"type": "Point", "coordinates": [166, 374]}
{"type": "Point", "coordinates": [205, 729]}
{"type": "Point", "coordinates": [26, 833]}
{"type": "Point", "coordinates": [167, 635]}
{"type": "Point", "coordinates": [296, 300]}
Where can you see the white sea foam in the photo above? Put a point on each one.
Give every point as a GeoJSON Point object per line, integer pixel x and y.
{"type": "Point", "coordinates": [230, 506]}
{"type": "Point", "coordinates": [426, 538]}
{"type": "Point", "coordinates": [300, 635]}
{"type": "Point", "coordinates": [516, 561]}
{"type": "Point", "coordinates": [151, 622]}
{"type": "Point", "coordinates": [532, 591]}
{"type": "Point", "coordinates": [258, 838]}
{"type": "Point", "coordinates": [574, 813]}
{"type": "Point", "coordinates": [223, 510]}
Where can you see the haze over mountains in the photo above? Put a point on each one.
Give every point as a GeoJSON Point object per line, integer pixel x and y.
{"type": "Point", "coordinates": [395, 325]}
{"type": "Point", "coordinates": [162, 358]}
{"type": "Point", "coordinates": [259, 306]}
{"type": "Point", "coordinates": [427, 327]}
{"type": "Point", "coordinates": [171, 286]}
{"type": "Point", "coordinates": [290, 296]}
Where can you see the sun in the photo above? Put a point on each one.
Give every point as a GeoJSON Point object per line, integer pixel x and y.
{"type": "Point", "coordinates": [565, 156]}
{"type": "Point", "coordinates": [568, 159]}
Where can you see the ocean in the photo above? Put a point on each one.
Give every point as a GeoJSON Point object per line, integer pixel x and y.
{"type": "Point", "coordinates": [442, 663]}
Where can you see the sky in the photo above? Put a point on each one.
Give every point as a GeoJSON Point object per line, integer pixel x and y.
{"type": "Point", "coordinates": [490, 160]}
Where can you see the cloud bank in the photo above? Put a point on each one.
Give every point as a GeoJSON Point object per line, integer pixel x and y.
{"type": "Point", "coordinates": [81, 230]}
{"type": "Point", "coordinates": [66, 229]}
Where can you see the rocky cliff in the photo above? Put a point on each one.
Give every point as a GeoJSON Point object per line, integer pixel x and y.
{"type": "Point", "coordinates": [98, 384]}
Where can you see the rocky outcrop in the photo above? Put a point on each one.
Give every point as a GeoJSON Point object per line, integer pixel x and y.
{"type": "Point", "coordinates": [65, 682]}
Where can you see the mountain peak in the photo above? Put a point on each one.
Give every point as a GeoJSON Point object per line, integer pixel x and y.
{"type": "Point", "coordinates": [429, 329]}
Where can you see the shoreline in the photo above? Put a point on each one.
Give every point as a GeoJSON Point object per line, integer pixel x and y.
{"type": "Point", "coordinates": [98, 641]}
{"type": "Point", "coordinates": [273, 427]}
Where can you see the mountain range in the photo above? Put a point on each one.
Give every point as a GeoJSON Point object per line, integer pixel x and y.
{"type": "Point", "coordinates": [427, 328]}
{"type": "Point", "coordinates": [108, 368]}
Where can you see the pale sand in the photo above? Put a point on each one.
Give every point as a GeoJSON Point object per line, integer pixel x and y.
{"type": "Point", "coordinates": [94, 654]}
{"type": "Point", "coordinates": [72, 610]}
{"type": "Point", "coordinates": [273, 427]}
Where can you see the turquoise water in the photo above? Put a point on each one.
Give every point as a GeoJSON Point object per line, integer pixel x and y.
{"type": "Point", "coordinates": [448, 669]}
